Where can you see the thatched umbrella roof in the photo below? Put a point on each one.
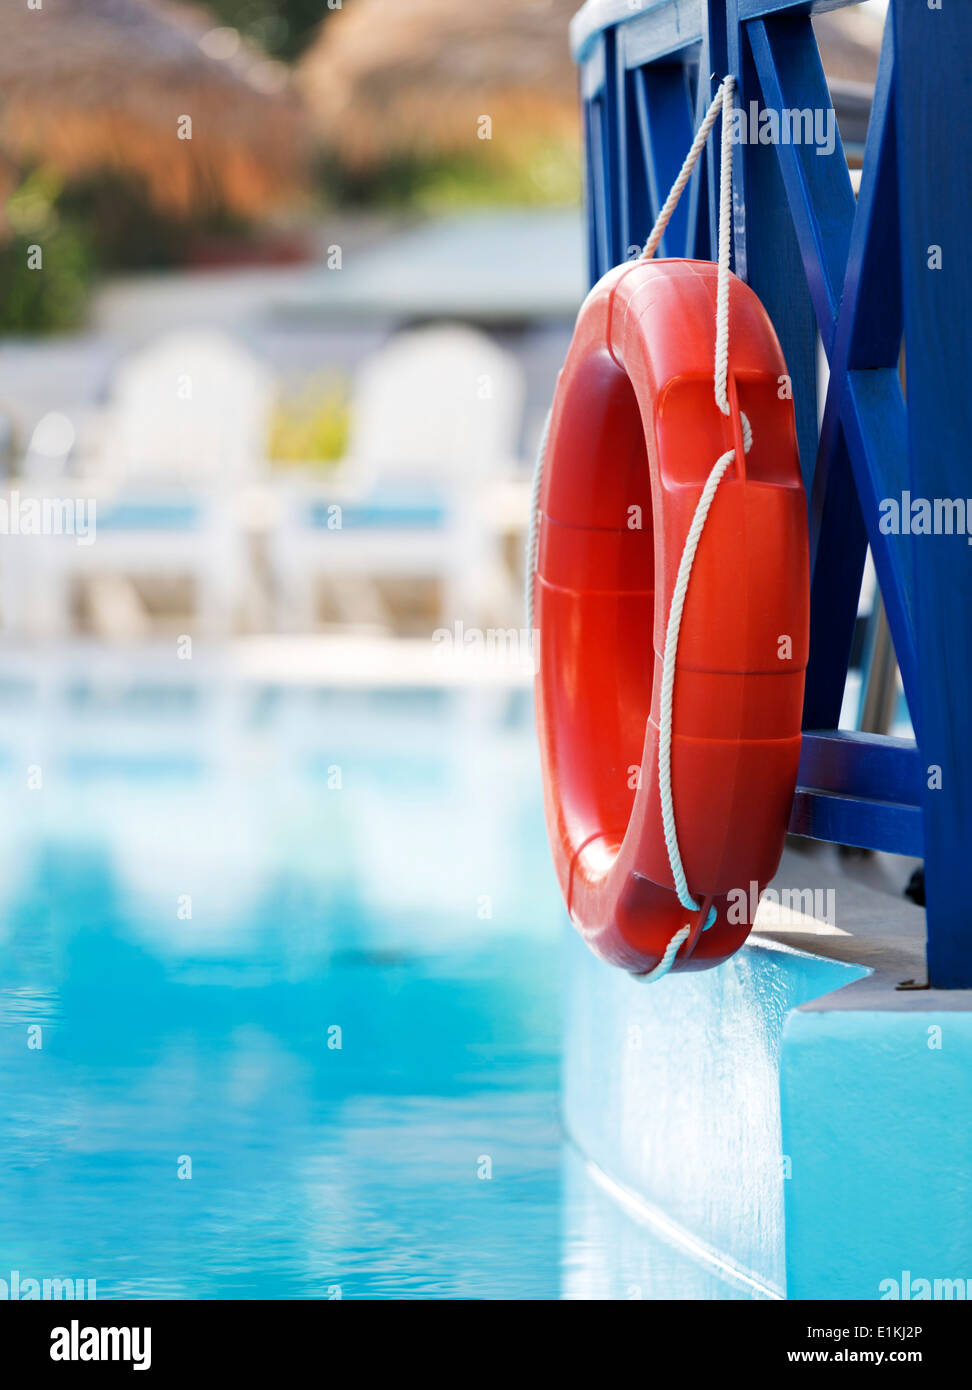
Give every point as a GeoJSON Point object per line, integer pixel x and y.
{"type": "Point", "coordinates": [384, 77]}
{"type": "Point", "coordinates": [87, 85]}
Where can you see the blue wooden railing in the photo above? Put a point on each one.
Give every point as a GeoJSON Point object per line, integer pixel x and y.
{"type": "Point", "coordinates": [870, 273]}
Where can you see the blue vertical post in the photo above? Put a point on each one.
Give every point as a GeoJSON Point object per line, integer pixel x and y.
{"type": "Point", "coordinates": [713, 67]}
{"type": "Point", "coordinates": [612, 147]}
{"type": "Point", "coordinates": [934, 136]}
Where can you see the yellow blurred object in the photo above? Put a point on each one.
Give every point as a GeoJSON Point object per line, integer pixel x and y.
{"type": "Point", "coordinates": [311, 428]}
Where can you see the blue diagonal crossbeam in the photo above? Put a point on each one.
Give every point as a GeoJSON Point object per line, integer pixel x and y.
{"type": "Point", "coordinates": [818, 189]}
{"type": "Point", "coordinates": [851, 259]}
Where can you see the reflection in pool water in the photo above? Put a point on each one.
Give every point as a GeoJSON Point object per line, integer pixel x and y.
{"type": "Point", "coordinates": [307, 941]}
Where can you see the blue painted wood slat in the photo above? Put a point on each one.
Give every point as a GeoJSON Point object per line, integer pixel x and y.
{"type": "Point", "coordinates": [934, 145]}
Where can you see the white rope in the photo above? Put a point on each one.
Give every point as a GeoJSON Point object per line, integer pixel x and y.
{"type": "Point", "coordinates": [668, 678]}
{"type": "Point", "coordinates": [725, 238]}
{"type": "Point", "coordinates": [668, 958]}
{"type": "Point", "coordinates": [723, 100]}
{"type": "Point", "coordinates": [533, 531]}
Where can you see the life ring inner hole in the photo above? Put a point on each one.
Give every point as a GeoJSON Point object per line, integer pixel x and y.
{"type": "Point", "coordinates": [596, 581]}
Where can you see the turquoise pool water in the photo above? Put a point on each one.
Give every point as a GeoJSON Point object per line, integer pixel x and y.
{"type": "Point", "coordinates": [307, 943]}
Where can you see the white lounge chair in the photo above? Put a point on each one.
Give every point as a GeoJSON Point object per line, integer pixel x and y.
{"type": "Point", "coordinates": [184, 431]}
{"type": "Point", "coordinates": [435, 422]}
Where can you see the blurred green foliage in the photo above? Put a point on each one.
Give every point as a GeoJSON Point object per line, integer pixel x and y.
{"type": "Point", "coordinates": [282, 28]}
{"type": "Point", "coordinates": [103, 223]}
{"type": "Point", "coordinates": [128, 232]}
{"type": "Point", "coordinates": [312, 425]}
{"type": "Point", "coordinates": [537, 172]}
{"type": "Point", "coordinates": [46, 262]}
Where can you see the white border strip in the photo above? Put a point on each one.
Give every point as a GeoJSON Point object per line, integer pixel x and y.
{"type": "Point", "coordinates": [675, 1234]}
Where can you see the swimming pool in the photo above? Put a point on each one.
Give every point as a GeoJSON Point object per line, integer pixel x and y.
{"type": "Point", "coordinates": [279, 1004]}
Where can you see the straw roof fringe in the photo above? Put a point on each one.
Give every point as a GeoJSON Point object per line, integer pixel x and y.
{"type": "Point", "coordinates": [384, 77]}
{"type": "Point", "coordinates": [87, 85]}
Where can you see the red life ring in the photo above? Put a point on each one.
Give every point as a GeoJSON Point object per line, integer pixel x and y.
{"type": "Point", "coordinates": [633, 435]}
